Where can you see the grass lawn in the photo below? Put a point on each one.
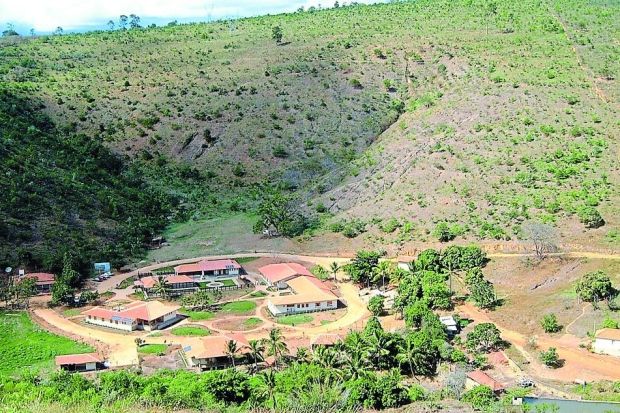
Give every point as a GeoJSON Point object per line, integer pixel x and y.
{"type": "Point", "coordinates": [239, 306]}
{"type": "Point", "coordinates": [24, 344]}
{"type": "Point", "coordinates": [243, 260]}
{"type": "Point", "coordinates": [250, 322]}
{"type": "Point", "coordinates": [72, 312]}
{"type": "Point", "coordinates": [126, 283]}
{"type": "Point", "coordinates": [294, 319]}
{"type": "Point", "coordinates": [227, 283]}
{"type": "Point", "coordinates": [166, 270]}
{"type": "Point", "coordinates": [190, 331]}
{"type": "Point", "coordinates": [157, 334]}
{"type": "Point", "coordinates": [258, 294]}
{"type": "Point", "coordinates": [323, 322]}
{"type": "Point", "coordinates": [152, 348]}
{"type": "Point", "coordinates": [197, 315]}
{"type": "Point", "coordinates": [107, 295]}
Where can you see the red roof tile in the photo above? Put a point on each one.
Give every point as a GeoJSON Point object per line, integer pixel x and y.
{"type": "Point", "coordinates": [485, 380]}
{"type": "Point", "coordinates": [608, 334]}
{"type": "Point", "coordinates": [42, 278]}
{"type": "Point", "coordinates": [141, 310]}
{"type": "Point", "coordinates": [326, 340]}
{"type": "Point", "coordinates": [78, 359]}
{"type": "Point", "coordinates": [282, 272]}
{"type": "Point", "coordinates": [216, 265]}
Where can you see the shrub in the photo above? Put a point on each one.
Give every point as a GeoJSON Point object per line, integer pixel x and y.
{"type": "Point", "coordinates": [443, 233]}
{"type": "Point", "coordinates": [590, 217]}
{"type": "Point", "coordinates": [550, 324]}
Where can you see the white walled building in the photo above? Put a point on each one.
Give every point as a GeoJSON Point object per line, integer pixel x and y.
{"type": "Point", "coordinates": [607, 341]}
{"type": "Point", "coordinates": [138, 315]}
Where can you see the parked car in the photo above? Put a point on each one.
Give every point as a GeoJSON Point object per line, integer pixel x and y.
{"type": "Point", "coordinates": [108, 274]}
{"type": "Point", "coordinates": [97, 279]}
{"type": "Point", "coordinates": [525, 382]}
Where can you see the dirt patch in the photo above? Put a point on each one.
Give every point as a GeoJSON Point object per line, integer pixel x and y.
{"type": "Point", "coordinates": [237, 324]}
{"type": "Point", "coordinates": [171, 359]}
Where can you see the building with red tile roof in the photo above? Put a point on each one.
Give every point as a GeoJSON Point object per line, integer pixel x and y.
{"type": "Point", "coordinates": [479, 378]}
{"type": "Point", "coordinates": [278, 274]}
{"type": "Point", "coordinates": [327, 340]}
{"type": "Point", "coordinates": [139, 315]}
{"type": "Point", "coordinates": [80, 362]}
{"type": "Point", "coordinates": [202, 270]}
{"type": "Point", "coordinates": [44, 281]}
{"type": "Point", "coordinates": [211, 352]}
{"type": "Point", "coordinates": [308, 293]}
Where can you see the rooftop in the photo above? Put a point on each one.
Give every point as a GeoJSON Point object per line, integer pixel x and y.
{"type": "Point", "coordinates": [78, 359]}
{"type": "Point", "coordinates": [41, 277]}
{"type": "Point", "coordinates": [608, 334]}
{"type": "Point", "coordinates": [283, 272]}
{"type": "Point", "coordinates": [309, 289]}
{"type": "Point", "coordinates": [326, 340]}
{"type": "Point", "coordinates": [215, 346]}
{"type": "Point", "coordinates": [484, 379]}
{"type": "Point", "coordinates": [148, 311]}
{"type": "Point", "coordinates": [216, 265]}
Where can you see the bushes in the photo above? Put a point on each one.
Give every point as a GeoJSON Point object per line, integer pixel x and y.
{"type": "Point", "coordinates": [590, 217]}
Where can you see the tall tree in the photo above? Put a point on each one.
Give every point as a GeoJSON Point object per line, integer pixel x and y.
{"type": "Point", "coordinates": [122, 22]}
{"type": "Point", "coordinates": [542, 236]}
{"type": "Point", "coordinates": [334, 267]}
{"type": "Point", "coordinates": [256, 352]}
{"type": "Point", "coordinates": [485, 336]}
{"type": "Point", "coordinates": [280, 212]}
{"type": "Point", "coordinates": [231, 351]}
{"type": "Point", "coordinates": [162, 288]}
{"type": "Point", "coordinates": [362, 266]}
{"type": "Point", "coordinates": [134, 21]}
{"type": "Point", "coordinates": [111, 24]}
{"type": "Point", "coordinates": [268, 387]}
{"type": "Point", "coordinates": [594, 286]}
{"type": "Point", "coordinates": [381, 271]}
{"type": "Point", "coordinates": [275, 344]}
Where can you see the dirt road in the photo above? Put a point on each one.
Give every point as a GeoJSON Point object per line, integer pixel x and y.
{"type": "Point", "coordinates": [579, 362]}
{"type": "Point", "coordinates": [121, 349]}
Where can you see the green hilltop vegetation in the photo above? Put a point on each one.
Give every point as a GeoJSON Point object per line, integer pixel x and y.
{"type": "Point", "coordinates": [406, 120]}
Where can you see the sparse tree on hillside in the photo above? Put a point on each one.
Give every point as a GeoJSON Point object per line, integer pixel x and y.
{"type": "Point", "coordinates": [490, 10]}
{"type": "Point", "coordinates": [59, 31]}
{"type": "Point", "coordinates": [111, 25]}
{"type": "Point", "coordinates": [280, 212]}
{"type": "Point", "coordinates": [122, 22]}
{"type": "Point", "coordinates": [594, 286]}
{"type": "Point", "coordinates": [276, 34]}
{"type": "Point", "coordinates": [542, 236]}
{"type": "Point", "coordinates": [485, 336]}
{"type": "Point", "coordinates": [550, 324]}
{"type": "Point", "coordinates": [134, 21]}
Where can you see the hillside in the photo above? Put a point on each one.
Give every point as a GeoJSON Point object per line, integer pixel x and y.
{"type": "Point", "coordinates": [65, 192]}
{"type": "Point", "coordinates": [516, 125]}
{"type": "Point", "coordinates": [425, 112]}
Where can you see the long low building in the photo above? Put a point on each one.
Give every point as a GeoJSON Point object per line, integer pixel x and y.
{"type": "Point", "coordinates": [44, 281]}
{"type": "Point", "coordinates": [178, 284]}
{"type": "Point", "coordinates": [80, 362]}
{"type": "Point", "coordinates": [205, 270]}
{"type": "Point", "coordinates": [138, 315]}
{"type": "Point", "coordinates": [308, 293]}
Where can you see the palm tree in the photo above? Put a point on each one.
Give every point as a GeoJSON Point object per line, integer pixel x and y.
{"type": "Point", "coordinates": [355, 343]}
{"type": "Point", "coordinates": [383, 269]}
{"type": "Point", "coordinates": [275, 344]}
{"type": "Point", "coordinates": [379, 343]}
{"type": "Point", "coordinates": [202, 299]}
{"type": "Point", "coordinates": [326, 357]}
{"type": "Point", "coordinates": [302, 355]}
{"type": "Point", "coordinates": [232, 350]}
{"type": "Point", "coordinates": [407, 353]}
{"type": "Point", "coordinates": [268, 387]}
{"type": "Point", "coordinates": [162, 287]}
{"type": "Point", "coordinates": [256, 351]}
{"type": "Point", "coordinates": [334, 267]}
{"type": "Point", "coordinates": [355, 365]}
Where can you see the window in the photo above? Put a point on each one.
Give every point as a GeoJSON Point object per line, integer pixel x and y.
{"type": "Point", "coordinates": [318, 304]}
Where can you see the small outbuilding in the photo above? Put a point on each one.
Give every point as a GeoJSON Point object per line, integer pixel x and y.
{"type": "Point", "coordinates": [80, 362]}
{"type": "Point", "coordinates": [44, 281]}
{"type": "Point", "coordinates": [479, 378]}
{"type": "Point", "coordinates": [607, 341]}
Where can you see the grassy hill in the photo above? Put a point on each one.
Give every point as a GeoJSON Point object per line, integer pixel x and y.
{"type": "Point", "coordinates": [424, 112]}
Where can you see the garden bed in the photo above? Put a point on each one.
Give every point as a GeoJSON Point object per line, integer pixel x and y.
{"type": "Point", "coordinates": [239, 324]}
